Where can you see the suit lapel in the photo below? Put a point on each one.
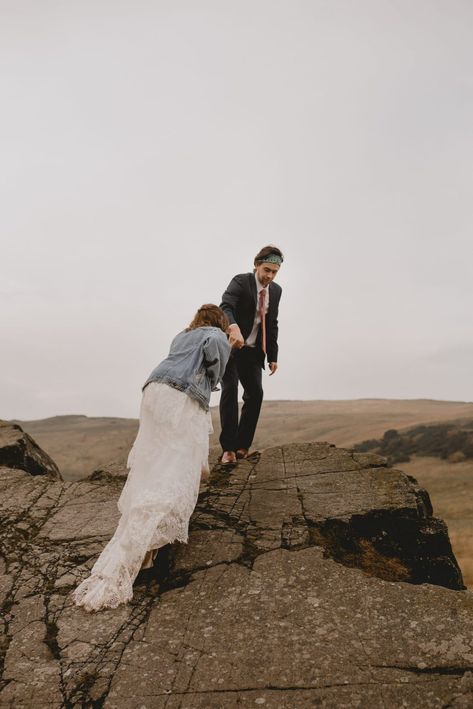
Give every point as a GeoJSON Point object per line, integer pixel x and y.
{"type": "Point", "coordinates": [253, 289]}
{"type": "Point", "coordinates": [271, 299]}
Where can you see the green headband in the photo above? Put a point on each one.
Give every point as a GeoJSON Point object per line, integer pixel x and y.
{"type": "Point", "coordinates": [272, 258]}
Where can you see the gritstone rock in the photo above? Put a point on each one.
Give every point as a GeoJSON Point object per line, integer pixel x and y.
{"type": "Point", "coordinates": [314, 576]}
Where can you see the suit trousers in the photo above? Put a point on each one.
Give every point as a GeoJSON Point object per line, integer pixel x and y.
{"type": "Point", "coordinates": [243, 366]}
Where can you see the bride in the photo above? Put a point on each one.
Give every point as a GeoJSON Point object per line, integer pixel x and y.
{"type": "Point", "coordinates": [166, 461]}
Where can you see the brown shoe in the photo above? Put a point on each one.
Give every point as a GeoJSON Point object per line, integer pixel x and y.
{"type": "Point", "coordinates": [228, 458]}
{"type": "Point", "coordinates": [242, 453]}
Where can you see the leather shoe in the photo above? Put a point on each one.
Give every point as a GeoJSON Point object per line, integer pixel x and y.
{"type": "Point", "coordinates": [242, 453]}
{"type": "Point", "coordinates": [228, 457]}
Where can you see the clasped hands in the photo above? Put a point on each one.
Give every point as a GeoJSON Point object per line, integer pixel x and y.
{"type": "Point", "coordinates": [235, 339]}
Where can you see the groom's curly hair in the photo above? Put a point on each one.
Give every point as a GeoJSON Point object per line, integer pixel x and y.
{"type": "Point", "coordinates": [209, 315]}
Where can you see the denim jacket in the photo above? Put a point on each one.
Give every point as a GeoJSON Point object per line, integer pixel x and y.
{"type": "Point", "coordinates": [195, 364]}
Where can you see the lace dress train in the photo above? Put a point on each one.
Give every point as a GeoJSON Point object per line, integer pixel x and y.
{"type": "Point", "coordinates": [159, 496]}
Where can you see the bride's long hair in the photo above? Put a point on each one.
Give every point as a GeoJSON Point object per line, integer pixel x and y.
{"type": "Point", "coordinates": [209, 315]}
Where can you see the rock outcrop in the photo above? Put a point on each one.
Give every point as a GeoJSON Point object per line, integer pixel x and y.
{"type": "Point", "coordinates": [314, 576]}
{"type": "Point", "coordinates": [19, 450]}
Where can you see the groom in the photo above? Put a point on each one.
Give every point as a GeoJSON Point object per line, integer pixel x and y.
{"type": "Point", "coordinates": [251, 304]}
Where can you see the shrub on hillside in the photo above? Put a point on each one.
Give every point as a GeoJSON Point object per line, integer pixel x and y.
{"type": "Point", "coordinates": [446, 441]}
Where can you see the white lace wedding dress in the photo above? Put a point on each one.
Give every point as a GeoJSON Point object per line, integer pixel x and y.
{"type": "Point", "coordinates": [159, 495]}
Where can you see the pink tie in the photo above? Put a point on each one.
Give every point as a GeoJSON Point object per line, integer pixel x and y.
{"type": "Point", "coordinates": [262, 312]}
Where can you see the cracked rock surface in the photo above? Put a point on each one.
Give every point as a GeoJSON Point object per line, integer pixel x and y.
{"type": "Point", "coordinates": [314, 576]}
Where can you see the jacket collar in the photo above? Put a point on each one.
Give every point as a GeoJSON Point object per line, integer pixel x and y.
{"type": "Point", "coordinates": [254, 290]}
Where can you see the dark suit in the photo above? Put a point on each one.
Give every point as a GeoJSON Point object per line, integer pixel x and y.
{"type": "Point", "coordinates": [239, 303]}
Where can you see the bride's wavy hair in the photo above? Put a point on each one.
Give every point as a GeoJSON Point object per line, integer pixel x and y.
{"type": "Point", "coordinates": [210, 315]}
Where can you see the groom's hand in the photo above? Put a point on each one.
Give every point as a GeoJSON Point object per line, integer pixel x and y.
{"type": "Point", "coordinates": [235, 337]}
{"type": "Point", "coordinates": [273, 367]}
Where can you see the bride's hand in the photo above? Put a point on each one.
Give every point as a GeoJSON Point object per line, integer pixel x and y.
{"type": "Point", "coordinates": [235, 337]}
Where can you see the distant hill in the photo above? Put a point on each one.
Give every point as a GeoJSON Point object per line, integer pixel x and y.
{"type": "Point", "coordinates": [449, 441]}
{"type": "Point", "coordinates": [81, 444]}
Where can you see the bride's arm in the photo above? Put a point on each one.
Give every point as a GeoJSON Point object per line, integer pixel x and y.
{"type": "Point", "coordinates": [216, 354]}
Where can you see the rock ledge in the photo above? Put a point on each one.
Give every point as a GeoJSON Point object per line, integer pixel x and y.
{"type": "Point", "coordinates": [314, 576]}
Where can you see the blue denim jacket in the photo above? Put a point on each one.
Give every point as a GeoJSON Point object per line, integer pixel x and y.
{"type": "Point", "coordinates": [195, 364]}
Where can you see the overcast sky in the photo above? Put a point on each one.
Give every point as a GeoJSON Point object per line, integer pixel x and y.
{"type": "Point", "coordinates": [149, 149]}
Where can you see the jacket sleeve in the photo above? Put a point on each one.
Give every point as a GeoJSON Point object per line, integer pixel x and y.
{"type": "Point", "coordinates": [231, 297]}
{"type": "Point", "coordinates": [272, 336]}
{"type": "Point", "coordinates": [216, 354]}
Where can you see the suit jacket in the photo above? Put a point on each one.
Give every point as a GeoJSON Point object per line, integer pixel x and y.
{"type": "Point", "coordinates": [239, 305]}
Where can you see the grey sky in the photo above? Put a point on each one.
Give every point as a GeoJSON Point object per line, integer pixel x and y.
{"type": "Point", "coordinates": [149, 149]}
